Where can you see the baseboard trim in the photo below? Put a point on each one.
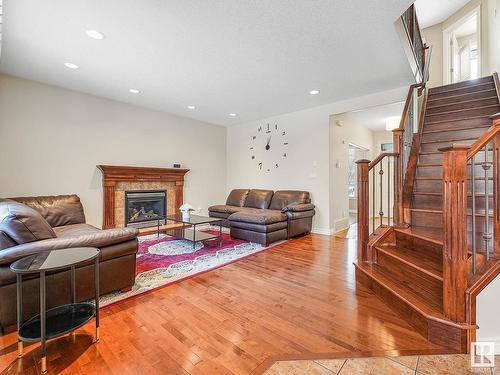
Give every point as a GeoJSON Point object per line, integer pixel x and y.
{"type": "Point", "coordinates": [324, 231]}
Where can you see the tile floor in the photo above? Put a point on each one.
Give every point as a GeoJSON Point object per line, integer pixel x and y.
{"type": "Point", "coordinates": [453, 364]}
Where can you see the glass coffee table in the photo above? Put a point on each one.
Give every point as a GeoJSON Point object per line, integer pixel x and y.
{"type": "Point", "coordinates": [189, 229]}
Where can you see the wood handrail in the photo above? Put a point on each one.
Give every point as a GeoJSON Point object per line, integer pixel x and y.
{"type": "Point", "coordinates": [379, 158]}
{"type": "Point", "coordinates": [486, 137]}
{"type": "Point", "coordinates": [406, 108]}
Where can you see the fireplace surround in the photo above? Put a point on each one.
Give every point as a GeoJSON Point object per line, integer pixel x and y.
{"type": "Point", "coordinates": [119, 179]}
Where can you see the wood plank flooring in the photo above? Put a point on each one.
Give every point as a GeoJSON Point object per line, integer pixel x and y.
{"type": "Point", "coordinates": [296, 300]}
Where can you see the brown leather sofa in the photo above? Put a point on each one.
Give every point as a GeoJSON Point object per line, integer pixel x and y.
{"type": "Point", "coordinates": [35, 224]}
{"type": "Point", "coordinates": [264, 216]}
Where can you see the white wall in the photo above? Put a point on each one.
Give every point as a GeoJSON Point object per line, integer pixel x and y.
{"type": "Point", "coordinates": [51, 140]}
{"type": "Point", "coordinates": [340, 137]}
{"type": "Point", "coordinates": [307, 166]}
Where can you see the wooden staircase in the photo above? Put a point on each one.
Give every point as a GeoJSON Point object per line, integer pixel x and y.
{"type": "Point", "coordinates": [406, 263]}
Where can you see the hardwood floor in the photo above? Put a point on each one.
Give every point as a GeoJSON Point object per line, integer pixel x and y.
{"type": "Point", "coordinates": [297, 300]}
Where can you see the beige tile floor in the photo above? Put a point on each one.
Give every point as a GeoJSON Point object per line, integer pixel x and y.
{"type": "Point", "coordinates": [453, 364]}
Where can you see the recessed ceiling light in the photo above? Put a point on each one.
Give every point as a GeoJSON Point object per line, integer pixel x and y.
{"type": "Point", "coordinates": [191, 107]}
{"type": "Point", "coordinates": [134, 91]}
{"type": "Point", "coordinates": [94, 34]}
{"type": "Point", "coordinates": [314, 92]}
{"type": "Point", "coordinates": [232, 114]}
{"type": "Point", "coordinates": [71, 65]}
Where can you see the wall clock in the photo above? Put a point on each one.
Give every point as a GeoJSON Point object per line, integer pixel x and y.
{"type": "Point", "coordinates": [269, 147]}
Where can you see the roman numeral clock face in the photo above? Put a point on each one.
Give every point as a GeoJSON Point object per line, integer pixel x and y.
{"type": "Point", "coordinates": [269, 147]}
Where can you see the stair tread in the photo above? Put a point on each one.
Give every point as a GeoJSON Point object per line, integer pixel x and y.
{"type": "Point", "coordinates": [449, 140]}
{"type": "Point", "coordinates": [492, 90]}
{"type": "Point", "coordinates": [403, 292]}
{"type": "Point", "coordinates": [461, 110]}
{"type": "Point", "coordinates": [461, 119]}
{"type": "Point", "coordinates": [455, 88]}
{"type": "Point", "coordinates": [486, 126]}
{"type": "Point", "coordinates": [463, 102]}
{"type": "Point", "coordinates": [424, 261]}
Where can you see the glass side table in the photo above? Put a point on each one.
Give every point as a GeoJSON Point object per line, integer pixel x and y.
{"type": "Point", "coordinates": [60, 320]}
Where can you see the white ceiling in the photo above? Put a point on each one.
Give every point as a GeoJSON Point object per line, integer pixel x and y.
{"type": "Point", "coordinates": [431, 12]}
{"type": "Point", "coordinates": [374, 117]}
{"type": "Point", "coordinates": [256, 58]}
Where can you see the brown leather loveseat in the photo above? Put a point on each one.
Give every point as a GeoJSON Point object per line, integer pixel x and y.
{"type": "Point", "coordinates": [35, 224]}
{"type": "Point", "coordinates": [264, 216]}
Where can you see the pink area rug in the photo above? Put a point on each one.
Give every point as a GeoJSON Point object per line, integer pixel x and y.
{"type": "Point", "coordinates": [165, 260]}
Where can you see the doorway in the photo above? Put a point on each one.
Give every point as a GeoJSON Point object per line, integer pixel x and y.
{"type": "Point", "coordinates": [462, 49]}
{"type": "Point", "coordinates": [355, 153]}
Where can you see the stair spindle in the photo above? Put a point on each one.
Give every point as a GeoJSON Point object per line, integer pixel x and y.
{"type": "Point", "coordinates": [381, 186]}
{"type": "Point", "coordinates": [473, 224]}
{"type": "Point", "coordinates": [486, 232]}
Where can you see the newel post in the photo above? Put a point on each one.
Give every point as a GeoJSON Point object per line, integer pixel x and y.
{"type": "Point", "coordinates": [455, 266]}
{"type": "Point", "coordinates": [397, 142]}
{"type": "Point", "coordinates": [363, 210]}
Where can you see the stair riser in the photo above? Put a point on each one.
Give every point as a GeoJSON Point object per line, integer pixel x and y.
{"type": "Point", "coordinates": [457, 124]}
{"type": "Point", "coordinates": [436, 186]}
{"type": "Point", "coordinates": [461, 98]}
{"type": "Point", "coordinates": [433, 202]}
{"type": "Point", "coordinates": [419, 282]}
{"type": "Point", "coordinates": [429, 147]}
{"type": "Point", "coordinates": [438, 158]}
{"type": "Point", "coordinates": [412, 242]}
{"type": "Point", "coordinates": [437, 171]}
{"type": "Point", "coordinates": [435, 220]}
{"type": "Point", "coordinates": [476, 112]}
{"type": "Point", "coordinates": [464, 90]}
{"type": "Point", "coordinates": [458, 85]}
{"type": "Point", "coordinates": [463, 105]}
{"type": "Point", "coordinates": [455, 134]}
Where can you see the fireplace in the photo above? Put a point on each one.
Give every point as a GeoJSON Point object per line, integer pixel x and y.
{"type": "Point", "coordinates": [144, 208]}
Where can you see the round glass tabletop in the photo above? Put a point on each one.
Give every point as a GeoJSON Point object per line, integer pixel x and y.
{"type": "Point", "coordinates": [54, 259]}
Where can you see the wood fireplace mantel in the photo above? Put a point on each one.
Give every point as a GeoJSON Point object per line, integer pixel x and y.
{"type": "Point", "coordinates": [112, 174]}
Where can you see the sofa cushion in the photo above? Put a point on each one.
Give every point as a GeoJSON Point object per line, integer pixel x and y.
{"type": "Point", "coordinates": [259, 198]}
{"type": "Point", "coordinates": [259, 227]}
{"type": "Point", "coordinates": [262, 217]}
{"type": "Point", "coordinates": [58, 210]}
{"type": "Point", "coordinates": [23, 224]}
{"type": "Point", "coordinates": [5, 241]}
{"type": "Point", "coordinates": [237, 197]}
{"type": "Point", "coordinates": [283, 198]}
{"type": "Point", "coordinates": [225, 209]}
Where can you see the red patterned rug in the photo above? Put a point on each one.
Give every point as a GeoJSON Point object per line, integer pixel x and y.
{"type": "Point", "coordinates": [165, 260]}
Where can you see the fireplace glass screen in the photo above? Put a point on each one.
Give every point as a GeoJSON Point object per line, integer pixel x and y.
{"type": "Point", "coordinates": [145, 208]}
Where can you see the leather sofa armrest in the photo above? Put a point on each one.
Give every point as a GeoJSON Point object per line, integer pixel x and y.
{"type": "Point", "coordinates": [298, 207]}
{"type": "Point", "coordinates": [97, 239]}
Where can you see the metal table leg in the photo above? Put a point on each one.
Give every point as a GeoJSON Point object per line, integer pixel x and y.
{"type": "Point", "coordinates": [220, 233]}
{"type": "Point", "coordinates": [96, 276]}
{"type": "Point", "coordinates": [19, 285]}
{"type": "Point", "coordinates": [43, 313]}
{"type": "Point", "coordinates": [194, 236]}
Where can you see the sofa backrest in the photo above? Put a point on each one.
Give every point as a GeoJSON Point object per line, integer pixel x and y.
{"type": "Point", "coordinates": [58, 210]}
{"type": "Point", "coordinates": [237, 197]}
{"type": "Point", "coordinates": [283, 198]}
{"type": "Point", "coordinates": [258, 198]}
{"type": "Point", "coordinates": [21, 224]}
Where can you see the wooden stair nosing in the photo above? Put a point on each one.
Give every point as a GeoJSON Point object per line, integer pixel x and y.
{"type": "Point", "coordinates": [422, 236]}
{"type": "Point", "coordinates": [449, 140]}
